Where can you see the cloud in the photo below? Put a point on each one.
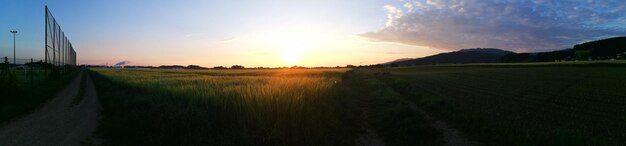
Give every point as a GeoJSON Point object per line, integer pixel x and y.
{"type": "Point", "coordinates": [537, 25]}
{"type": "Point", "coordinates": [393, 13]}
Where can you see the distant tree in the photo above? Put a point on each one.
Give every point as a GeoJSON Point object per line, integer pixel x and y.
{"type": "Point", "coordinates": [600, 49]}
{"type": "Point", "coordinates": [171, 67]}
{"type": "Point", "coordinates": [350, 66]}
{"type": "Point", "coordinates": [375, 66]}
{"type": "Point", "coordinates": [219, 67]}
{"type": "Point", "coordinates": [8, 79]}
{"type": "Point", "coordinates": [394, 65]}
{"type": "Point", "coordinates": [237, 67]}
{"type": "Point", "coordinates": [195, 67]}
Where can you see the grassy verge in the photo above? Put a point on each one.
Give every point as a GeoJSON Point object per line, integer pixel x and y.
{"type": "Point", "coordinates": [81, 91]}
{"type": "Point", "coordinates": [23, 98]}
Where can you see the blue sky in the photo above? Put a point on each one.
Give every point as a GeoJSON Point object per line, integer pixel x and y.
{"type": "Point", "coordinates": [309, 33]}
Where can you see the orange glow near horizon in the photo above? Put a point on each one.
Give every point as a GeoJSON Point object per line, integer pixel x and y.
{"type": "Point", "coordinates": [280, 47]}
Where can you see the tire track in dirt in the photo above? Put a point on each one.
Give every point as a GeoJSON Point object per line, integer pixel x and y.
{"type": "Point", "coordinates": [451, 136]}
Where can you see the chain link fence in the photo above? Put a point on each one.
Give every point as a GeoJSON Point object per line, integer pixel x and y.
{"type": "Point", "coordinates": [28, 72]}
{"type": "Point", "coordinates": [59, 58]}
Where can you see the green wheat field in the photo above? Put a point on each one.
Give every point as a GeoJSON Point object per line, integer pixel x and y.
{"type": "Point", "coordinates": [525, 104]}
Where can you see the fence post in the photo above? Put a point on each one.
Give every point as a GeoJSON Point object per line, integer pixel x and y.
{"type": "Point", "coordinates": [31, 72]}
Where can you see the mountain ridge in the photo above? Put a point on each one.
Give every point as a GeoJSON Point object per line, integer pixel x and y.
{"type": "Point", "coordinates": [474, 55]}
{"type": "Point", "coordinates": [603, 49]}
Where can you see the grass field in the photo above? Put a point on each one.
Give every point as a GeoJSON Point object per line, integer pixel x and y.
{"type": "Point", "coordinates": [492, 104]}
{"type": "Point", "coordinates": [251, 107]}
{"type": "Point", "coordinates": [220, 107]}
{"type": "Point", "coordinates": [521, 105]}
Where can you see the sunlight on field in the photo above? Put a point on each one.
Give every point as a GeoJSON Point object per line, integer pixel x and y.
{"type": "Point", "coordinates": [283, 104]}
{"type": "Point", "coordinates": [288, 84]}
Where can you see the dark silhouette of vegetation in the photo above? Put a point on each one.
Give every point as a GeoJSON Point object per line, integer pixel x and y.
{"type": "Point", "coordinates": [237, 67]}
{"type": "Point", "coordinates": [171, 67]}
{"type": "Point", "coordinates": [394, 65]}
{"type": "Point", "coordinates": [54, 73]}
{"type": "Point", "coordinates": [560, 55]}
{"type": "Point", "coordinates": [8, 80]}
{"type": "Point", "coordinates": [195, 67]}
{"type": "Point", "coordinates": [220, 67]}
{"type": "Point", "coordinates": [17, 99]}
{"type": "Point", "coordinates": [610, 48]}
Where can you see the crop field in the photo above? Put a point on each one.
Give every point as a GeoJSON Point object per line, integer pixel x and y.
{"type": "Point", "coordinates": [549, 105]}
{"type": "Point", "coordinates": [221, 107]}
{"type": "Point", "coordinates": [251, 107]}
{"type": "Point", "coordinates": [495, 104]}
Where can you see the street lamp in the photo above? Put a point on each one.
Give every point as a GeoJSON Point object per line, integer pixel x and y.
{"type": "Point", "coordinates": [14, 32]}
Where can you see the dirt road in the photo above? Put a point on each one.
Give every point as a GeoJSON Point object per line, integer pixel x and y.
{"type": "Point", "coordinates": [58, 122]}
{"type": "Point", "coordinates": [451, 136]}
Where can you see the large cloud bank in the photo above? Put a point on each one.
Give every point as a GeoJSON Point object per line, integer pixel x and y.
{"type": "Point", "coordinates": [519, 25]}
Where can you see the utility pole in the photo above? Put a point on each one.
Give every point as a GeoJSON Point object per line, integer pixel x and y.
{"type": "Point", "coordinates": [14, 32]}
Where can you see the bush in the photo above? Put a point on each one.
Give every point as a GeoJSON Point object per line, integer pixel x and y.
{"type": "Point", "coordinates": [8, 79]}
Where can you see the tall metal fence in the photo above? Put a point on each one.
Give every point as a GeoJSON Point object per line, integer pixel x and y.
{"type": "Point", "coordinates": [59, 58]}
{"type": "Point", "coordinates": [59, 50]}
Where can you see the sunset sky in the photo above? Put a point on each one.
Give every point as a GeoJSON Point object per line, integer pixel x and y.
{"type": "Point", "coordinates": [307, 33]}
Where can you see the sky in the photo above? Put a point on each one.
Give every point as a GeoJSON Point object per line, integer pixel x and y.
{"type": "Point", "coordinates": [312, 33]}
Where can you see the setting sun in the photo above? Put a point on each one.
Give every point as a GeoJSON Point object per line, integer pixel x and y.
{"type": "Point", "coordinates": [293, 45]}
{"type": "Point", "coordinates": [291, 58]}
{"type": "Point", "coordinates": [289, 43]}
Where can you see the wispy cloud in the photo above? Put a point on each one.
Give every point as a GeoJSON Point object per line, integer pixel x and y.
{"type": "Point", "coordinates": [515, 25]}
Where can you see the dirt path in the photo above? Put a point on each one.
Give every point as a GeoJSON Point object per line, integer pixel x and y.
{"type": "Point", "coordinates": [58, 122]}
{"type": "Point", "coordinates": [370, 137]}
{"type": "Point", "coordinates": [451, 136]}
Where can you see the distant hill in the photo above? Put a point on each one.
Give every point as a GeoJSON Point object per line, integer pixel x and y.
{"type": "Point", "coordinates": [397, 60]}
{"type": "Point", "coordinates": [564, 55]}
{"type": "Point", "coordinates": [611, 48]}
{"type": "Point", "coordinates": [601, 49]}
{"type": "Point", "coordinates": [477, 55]}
